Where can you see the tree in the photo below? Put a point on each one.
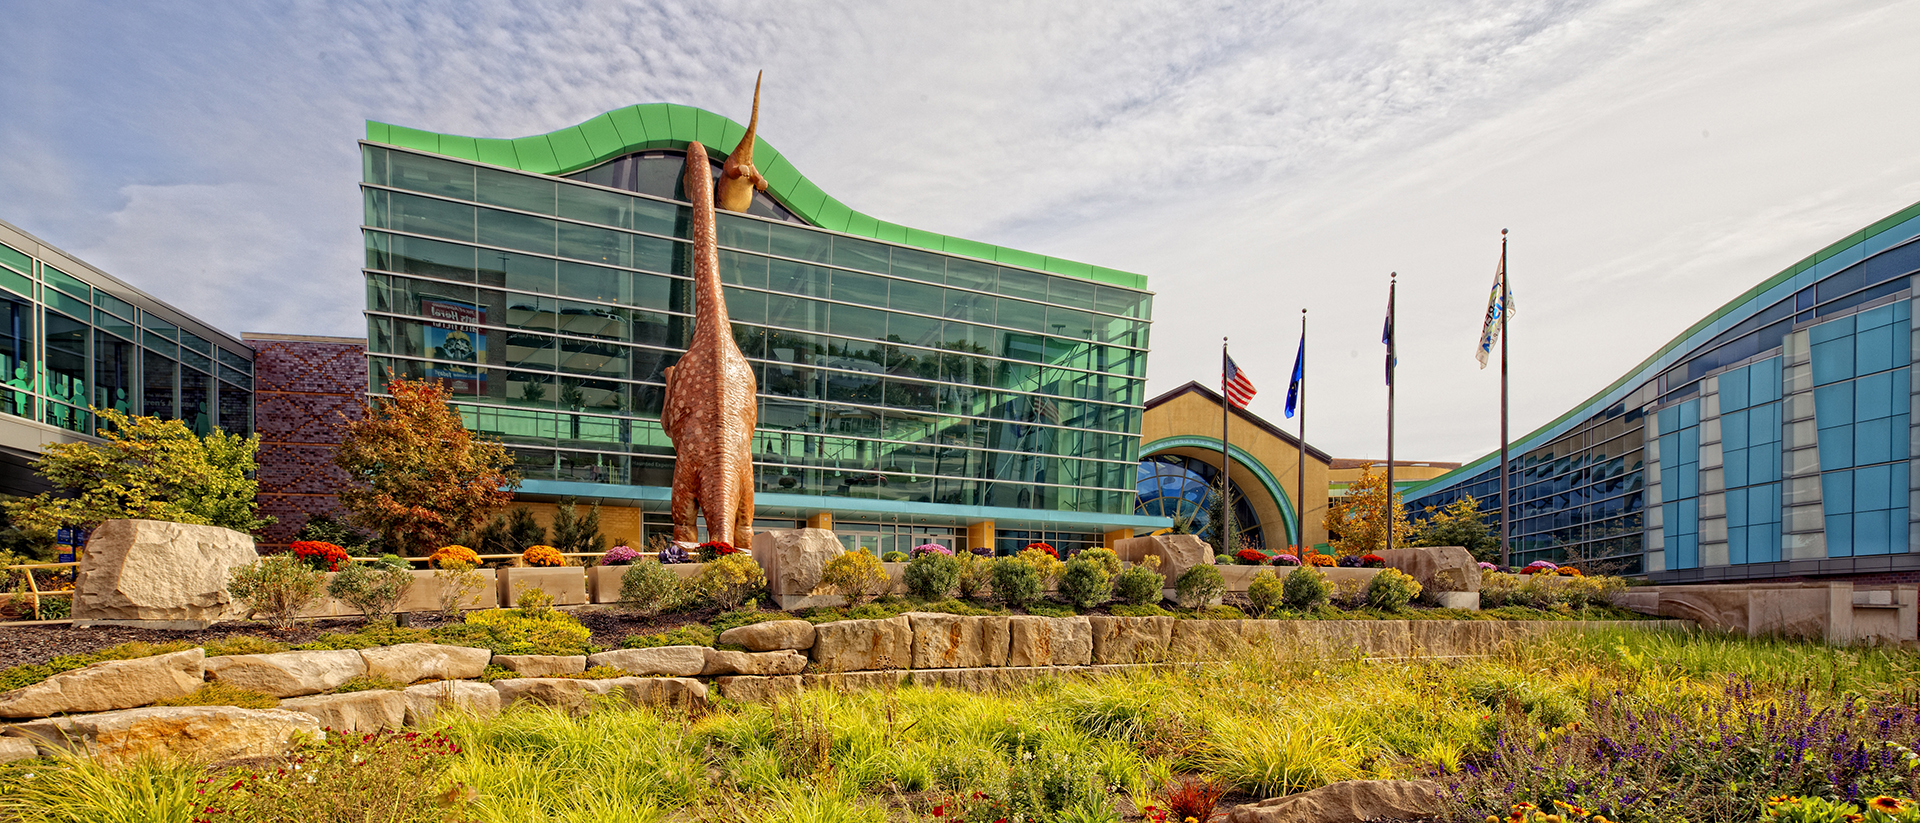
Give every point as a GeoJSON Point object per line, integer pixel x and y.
{"type": "Point", "coordinates": [524, 531]}
{"type": "Point", "coordinates": [577, 533]}
{"type": "Point", "coordinates": [419, 476]}
{"type": "Point", "coordinates": [1357, 521]}
{"type": "Point", "coordinates": [148, 469]}
{"type": "Point", "coordinates": [1459, 523]}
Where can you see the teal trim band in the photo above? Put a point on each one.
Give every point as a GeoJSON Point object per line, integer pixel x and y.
{"type": "Point", "coordinates": [1002, 517]}
{"type": "Point", "coordinates": [666, 126]}
{"type": "Point", "coordinates": [1259, 469]}
{"type": "Point", "coordinates": [1885, 233]}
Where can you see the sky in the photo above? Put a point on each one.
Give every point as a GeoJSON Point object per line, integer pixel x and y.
{"type": "Point", "coordinates": [1652, 159]}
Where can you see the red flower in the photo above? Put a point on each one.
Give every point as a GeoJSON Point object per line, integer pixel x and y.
{"type": "Point", "coordinates": [321, 556]}
{"type": "Point", "coordinates": [1043, 547]}
{"type": "Point", "coordinates": [940, 810]}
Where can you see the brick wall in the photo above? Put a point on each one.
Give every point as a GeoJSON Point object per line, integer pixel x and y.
{"type": "Point", "coordinates": [304, 389]}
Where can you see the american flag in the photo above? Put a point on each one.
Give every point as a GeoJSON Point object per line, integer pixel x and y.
{"type": "Point", "coordinates": [1239, 389]}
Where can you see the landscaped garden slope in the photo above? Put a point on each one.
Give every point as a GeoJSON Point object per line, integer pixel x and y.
{"type": "Point", "coordinates": [1632, 725]}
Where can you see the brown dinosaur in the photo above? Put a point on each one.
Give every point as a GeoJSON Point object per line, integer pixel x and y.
{"type": "Point", "coordinates": [710, 407]}
{"type": "Point", "coordinates": [738, 178]}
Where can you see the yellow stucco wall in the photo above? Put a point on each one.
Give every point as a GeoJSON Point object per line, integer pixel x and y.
{"type": "Point", "coordinates": [621, 524]}
{"type": "Point", "coordinates": [1194, 415]}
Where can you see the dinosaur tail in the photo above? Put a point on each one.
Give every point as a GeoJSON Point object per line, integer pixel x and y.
{"type": "Point", "coordinates": [753, 122]}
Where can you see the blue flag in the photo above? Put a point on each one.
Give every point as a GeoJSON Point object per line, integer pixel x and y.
{"type": "Point", "coordinates": [1386, 336]}
{"type": "Point", "coordinates": [1299, 375]}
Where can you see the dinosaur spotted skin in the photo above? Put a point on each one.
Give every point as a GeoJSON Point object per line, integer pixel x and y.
{"type": "Point", "coordinates": [738, 178]}
{"type": "Point", "coordinates": [710, 407]}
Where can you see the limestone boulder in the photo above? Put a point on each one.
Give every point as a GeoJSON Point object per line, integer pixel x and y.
{"type": "Point", "coordinates": [17, 748]}
{"type": "Point", "coordinates": [201, 733]}
{"type": "Point", "coordinates": [287, 674]}
{"type": "Point", "coordinates": [863, 645]}
{"type": "Point", "coordinates": [771, 635]}
{"type": "Point", "coordinates": [159, 575]}
{"type": "Point", "coordinates": [793, 560]}
{"type": "Point", "coordinates": [562, 692]}
{"type": "Point", "coordinates": [748, 689]}
{"type": "Point", "coordinates": [1177, 552]}
{"type": "Point", "coordinates": [109, 685]}
{"type": "Point", "coordinates": [354, 712]}
{"type": "Point", "coordinates": [1130, 639]}
{"type": "Point", "coordinates": [426, 700]}
{"type": "Point", "coordinates": [783, 662]}
{"type": "Point", "coordinates": [1436, 568]}
{"type": "Point", "coordinates": [952, 641]}
{"type": "Point", "coordinates": [1353, 801]}
{"type": "Point", "coordinates": [658, 692]}
{"type": "Point", "coordinates": [666, 661]}
{"type": "Point", "coordinates": [410, 662]}
{"type": "Point", "coordinates": [1049, 641]}
{"type": "Point", "coordinates": [542, 665]}
{"type": "Point", "coordinates": [1194, 640]}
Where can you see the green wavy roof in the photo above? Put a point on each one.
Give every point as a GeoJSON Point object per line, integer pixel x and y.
{"type": "Point", "coordinates": [670, 126]}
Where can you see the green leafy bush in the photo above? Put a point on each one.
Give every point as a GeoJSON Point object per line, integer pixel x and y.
{"type": "Point", "coordinates": [1391, 590]}
{"type": "Point", "coordinates": [976, 574]}
{"type": "Point", "coordinates": [857, 576]}
{"type": "Point", "coordinates": [692, 634]}
{"type": "Point", "coordinates": [1265, 592]}
{"type": "Point", "coordinates": [242, 644]}
{"type": "Point", "coordinates": [1106, 558]}
{"type": "Point", "coordinates": [1145, 610]}
{"type": "Point", "coordinates": [373, 588]}
{"type": "Point", "coordinates": [1085, 582]}
{"type": "Point", "coordinates": [31, 673]}
{"type": "Point", "coordinates": [1199, 585]}
{"type": "Point", "coordinates": [508, 631]}
{"type": "Point", "coordinates": [1223, 560]}
{"type": "Point", "coordinates": [1138, 585]}
{"type": "Point", "coordinates": [649, 588]}
{"type": "Point", "coordinates": [1015, 582]}
{"type": "Point", "coordinates": [894, 557]}
{"type": "Point", "coordinates": [370, 636]}
{"type": "Point", "coordinates": [1306, 587]}
{"type": "Point", "coordinates": [729, 579]}
{"type": "Point", "coordinates": [279, 587]}
{"type": "Point", "coordinates": [223, 694]}
{"type": "Point", "coordinates": [1045, 609]}
{"type": "Point", "coordinates": [932, 575]}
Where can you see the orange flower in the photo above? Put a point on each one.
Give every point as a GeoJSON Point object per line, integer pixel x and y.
{"type": "Point", "coordinates": [546, 556]}
{"type": "Point", "coordinates": [1885, 805]}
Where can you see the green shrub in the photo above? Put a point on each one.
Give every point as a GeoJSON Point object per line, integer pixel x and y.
{"type": "Point", "coordinates": [1391, 590]}
{"type": "Point", "coordinates": [932, 575]}
{"type": "Point", "coordinates": [1305, 588]}
{"type": "Point", "coordinates": [242, 644]}
{"type": "Point", "coordinates": [976, 574]}
{"type": "Point", "coordinates": [1015, 582]}
{"type": "Point", "coordinates": [857, 576]}
{"type": "Point", "coordinates": [1045, 609]}
{"type": "Point", "coordinates": [31, 673]}
{"type": "Point", "coordinates": [367, 683]}
{"type": "Point", "coordinates": [460, 586]}
{"type": "Point", "coordinates": [692, 634]}
{"type": "Point", "coordinates": [1139, 585]}
{"type": "Point", "coordinates": [894, 557]}
{"type": "Point", "coordinates": [1085, 583]}
{"type": "Point", "coordinates": [370, 636]}
{"type": "Point", "coordinates": [1265, 592]}
{"type": "Point", "coordinates": [1106, 558]}
{"type": "Point", "coordinates": [223, 694]}
{"type": "Point", "coordinates": [53, 607]}
{"type": "Point", "coordinates": [1146, 610]}
{"type": "Point", "coordinates": [649, 588]}
{"type": "Point", "coordinates": [1223, 560]}
{"type": "Point", "coordinates": [1199, 585]}
{"type": "Point", "coordinates": [280, 587]}
{"type": "Point", "coordinates": [729, 579]}
{"type": "Point", "coordinates": [373, 588]}
{"type": "Point", "coordinates": [507, 631]}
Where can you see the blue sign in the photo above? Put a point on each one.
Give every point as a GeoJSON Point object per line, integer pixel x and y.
{"type": "Point", "coordinates": [65, 557]}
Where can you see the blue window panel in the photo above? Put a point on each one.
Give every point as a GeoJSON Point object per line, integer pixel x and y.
{"type": "Point", "coordinates": [1737, 544]}
{"type": "Point", "coordinates": [1763, 463]}
{"type": "Point", "coordinates": [1670, 450]}
{"type": "Point", "coordinates": [1670, 518]}
{"type": "Point", "coordinates": [1689, 446]}
{"type": "Point", "coordinates": [1873, 397]}
{"type": "Point", "coordinates": [1903, 311]}
{"type": "Point", "coordinates": [1902, 342]}
{"type": "Point", "coordinates": [1690, 516]}
{"type": "Point", "coordinates": [1690, 413]}
{"type": "Point", "coordinates": [1898, 532]}
{"type": "Point", "coordinates": [1832, 361]}
{"type": "Point", "coordinates": [1733, 429]}
{"type": "Point", "coordinates": [1686, 552]}
{"type": "Point", "coordinates": [1763, 425]}
{"type": "Point", "coordinates": [1873, 350]}
{"type": "Point", "coordinates": [1873, 319]}
{"type": "Point", "coordinates": [1733, 390]}
{"type": "Point", "coordinates": [1836, 492]}
{"type": "Point", "coordinates": [1764, 385]}
{"type": "Point", "coordinates": [1873, 488]}
{"type": "Point", "coordinates": [1902, 384]}
{"type": "Point", "coordinates": [1831, 330]}
{"type": "Point", "coordinates": [1763, 504]}
{"type": "Point", "coordinates": [1670, 480]}
{"type": "Point", "coordinates": [1836, 448]}
{"type": "Point", "coordinates": [1839, 535]}
{"type": "Point", "coordinates": [1669, 418]}
{"type": "Point", "coordinates": [1737, 510]}
{"type": "Point", "coordinates": [1897, 481]}
{"type": "Point", "coordinates": [1689, 485]}
{"type": "Point", "coordinates": [1833, 405]}
{"type": "Point", "coordinates": [1735, 463]}
{"type": "Point", "coordinates": [1873, 442]}
{"type": "Point", "coordinates": [1765, 548]}
{"type": "Point", "coordinates": [1872, 534]}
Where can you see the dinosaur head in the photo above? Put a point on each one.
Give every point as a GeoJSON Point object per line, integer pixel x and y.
{"type": "Point", "coordinates": [738, 178]}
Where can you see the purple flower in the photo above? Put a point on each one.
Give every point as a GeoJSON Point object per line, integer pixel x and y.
{"type": "Point", "coordinates": [1488, 567]}
{"type": "Point", "coordinates": [931, 548]}
{"type": "Point", "coordinates": [1286, 560]}
{"type": "Point", "coordinates": [619, 556]}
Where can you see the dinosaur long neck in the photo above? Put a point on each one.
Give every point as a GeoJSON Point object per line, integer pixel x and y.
{"type": "Point", "coordinates": [709, 305]}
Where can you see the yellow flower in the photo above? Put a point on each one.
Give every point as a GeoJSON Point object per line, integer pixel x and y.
{"type": "Point", "coordinates": [1884, 805]}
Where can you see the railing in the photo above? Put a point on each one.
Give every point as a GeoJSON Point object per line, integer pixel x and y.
{"type": "Point", "coordinates": [488, 557]}
{"type": "Point", "coordinates": [33, 587]}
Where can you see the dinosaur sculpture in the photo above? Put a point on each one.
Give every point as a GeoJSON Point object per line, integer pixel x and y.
{"type": "Point", "coordinates": [710, 407]}
{"type": "Point", "coordinates": [738, 178]}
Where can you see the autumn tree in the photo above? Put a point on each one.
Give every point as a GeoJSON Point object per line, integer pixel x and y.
{"type": "Point", "coordinates": [149, 469]}
{"type": "Point", "coordinates": [419, 476]}
{"type": "Point", "coordinates": [1459, 523]}
{"type": "Point", "coordinates": [1357, 522]}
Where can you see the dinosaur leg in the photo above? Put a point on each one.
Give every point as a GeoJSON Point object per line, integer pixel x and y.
{"type": "Point", "coordinates": [717, 502]}
{"type": "Point", "coordinates": [686, 504]}
{"type": "Point", "coordinates": [743, 494]}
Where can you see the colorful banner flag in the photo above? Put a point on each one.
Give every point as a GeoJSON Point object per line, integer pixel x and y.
{"type": "Point", "coordinates": [1299, 375]}
{"type": "Point", "coordinates": [1499, 308]}
{"type": "Point", "coordinates": [1239, 389]}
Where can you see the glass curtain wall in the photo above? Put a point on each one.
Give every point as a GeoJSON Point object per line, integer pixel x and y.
{"type": "Point", "coordinates": [553, 308]}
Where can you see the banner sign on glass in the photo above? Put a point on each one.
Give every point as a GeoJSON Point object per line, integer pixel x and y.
{"type": "Point", "coordinates": [454, 335]}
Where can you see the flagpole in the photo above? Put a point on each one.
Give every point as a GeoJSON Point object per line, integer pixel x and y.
{"type": "Point", "coordinates": [1226, 459]}
{"type": "Point", "coordinates": [1392, 348]}
{"type": "Point", "coordinates": [1300, 487]}
{"type": "Point", "coordinates": [1506, 304]}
